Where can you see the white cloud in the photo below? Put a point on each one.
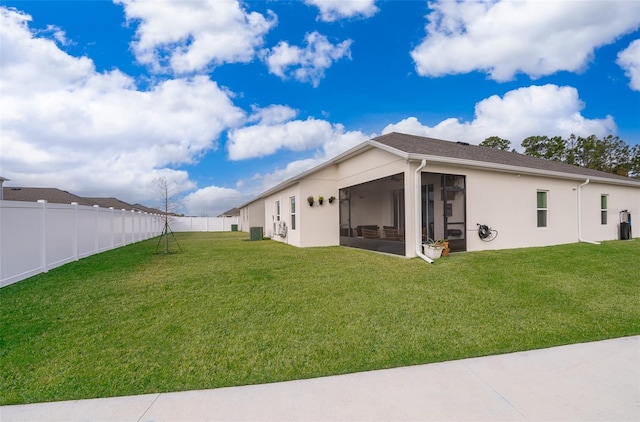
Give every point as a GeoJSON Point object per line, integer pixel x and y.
{"type": "Point", "coordinates": [65, 125]}
{"type": "Point", "coordinates": [273, 114]}
{"type": "Point", "coordinates": [212, 201]}
{"type": "Point", "coordinates": [629, 60]}
{"type": "Point", "coordinates": [189, 36]}
{"type": "Point", "coordinates": [504, 38]}
{"type": "Point", "coordinates": [536, 110]}
{"type": "Point", "coordinates": [260, 182]}
{"type": "Point", "coordinates": [329, 140]}
{"type": "Point", "coordinates": [305, 64]}
{"type": "Point", "coordinates": [333, 10]}
{"type": "Point", "coordinates": [295, 135]}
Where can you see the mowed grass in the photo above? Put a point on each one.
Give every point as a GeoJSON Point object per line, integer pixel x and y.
{"type": "Point", "coordinates": [226, 311]}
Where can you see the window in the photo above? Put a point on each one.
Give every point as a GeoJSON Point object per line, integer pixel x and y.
{"type": "Point", "coordinates": [277, 210]}
{"type": "Point", "coordinates": [603, 209]}
{"type": "Point", "coordinates": [542, 208]}
{"type": "Point", "coordinates": [293, 212]}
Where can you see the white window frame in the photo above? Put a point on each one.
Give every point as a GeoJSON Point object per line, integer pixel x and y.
{"type": "Point", "coordinates": [604, 216]}
{"type": "Point", "coordinates": [292, 202]}
{"type": "Point", "coordinates": [544, 209]}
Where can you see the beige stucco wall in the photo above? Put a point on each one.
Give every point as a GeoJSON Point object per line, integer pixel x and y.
{"type": "Point", "coordinates": [316, 225]}
{"type": "Point", "coordinates": [252, 215]}
{"type": "Point", "coordinates": [507, 203]}
{"type": "Point", "coordinates": [618, 198]}
{"type": "Point", "coordinates": [319, 224]}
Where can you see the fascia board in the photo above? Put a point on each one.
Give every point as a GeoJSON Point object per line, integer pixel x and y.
{"type": "Point", "coordinates": [505, 168]}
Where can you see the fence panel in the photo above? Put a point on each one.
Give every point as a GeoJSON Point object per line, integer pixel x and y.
{"type": "Point", "coordinates": [36, 237]}
{"type": "Point", "coordinates": [21, 237]}
{"type": "Point", "coordinates": [203, 224]}
{"type": "Point", "coordinates": [59, 234]}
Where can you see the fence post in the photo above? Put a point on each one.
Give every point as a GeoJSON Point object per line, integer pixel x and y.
{"type": "Point", "coordinates": [113, 228]}
{"type": "Point", "coordinates": [97, 229]}
{"type": "Point", "coordinates": [134, 228]}
{"type": "Point", "coordinates": [43, 249]}
{"type": "Point", "coordinates": [75, 231]}
{"type": "Point", "coordinates": [124, 227]}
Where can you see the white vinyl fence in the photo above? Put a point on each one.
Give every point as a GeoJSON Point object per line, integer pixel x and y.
{"type": "Point", "coordinates": [38, 236]}
{"type": "Point", "coordinates": [203, 224]}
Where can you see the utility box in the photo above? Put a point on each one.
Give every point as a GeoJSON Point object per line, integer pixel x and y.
{"type": "Point", "coordinates": [234, 227]}
{"type": "Point", "coordinates": [625, 225]}
{"type": "Point", "coordinates": [255, 233]}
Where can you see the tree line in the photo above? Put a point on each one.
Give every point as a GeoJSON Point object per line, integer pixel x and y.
{"type": "Point", "coordinates": [609, 154]}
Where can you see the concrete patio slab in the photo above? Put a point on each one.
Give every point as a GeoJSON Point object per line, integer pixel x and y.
{"type": "Point", "coordinates": [597, 381]}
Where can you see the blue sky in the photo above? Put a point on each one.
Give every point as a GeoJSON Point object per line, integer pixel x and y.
{"type": "Point", "coordinates": [226, 98]}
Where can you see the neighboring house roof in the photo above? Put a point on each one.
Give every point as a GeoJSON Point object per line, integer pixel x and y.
{"type": "Point", "coordinates": [412, 147]}
{"type": "Point", "coordinates": [418, 147]}
{"type": "Point", "coordinates": [111, 202]}
{"type": "Point", "coordinates": [52, 195]}
{"type": "Point", "coordinates": [57, 196]}
{"type": "Point", "coordinates": [143, 208]}
{"type": "Point", "coordinates": [233, 212]}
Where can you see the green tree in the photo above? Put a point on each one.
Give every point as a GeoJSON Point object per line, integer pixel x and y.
{"type": "Point", "coordinates": [609, 154]}
{"type": "Point", "coordinates": [496, 143]}
{"type": "Point", "coordinates": [634, 167]}
{"type": "Point", "coordinates": [545, 147]}
{"type": "Point", "coordinates": [535, 146]}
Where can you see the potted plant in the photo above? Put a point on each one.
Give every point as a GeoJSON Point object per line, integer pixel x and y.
{"type": "Point", "coordinates": [310, 200]}
{"type": "Point", "coordinates": [432, 249]}
{"type": "Point", "coordinates": [331, 199]}
{"type": "Point", "coordinates": [445, 246]}
{"type": "Point", "coordinates": [320, 199]}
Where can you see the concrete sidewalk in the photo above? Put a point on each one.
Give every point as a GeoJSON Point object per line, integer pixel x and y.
{"type": "Point", "coordinates": [597, 381]}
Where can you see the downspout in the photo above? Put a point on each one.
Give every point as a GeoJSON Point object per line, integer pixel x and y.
{"type": "Point", "coordinates": [586, 182]}
{"type": "Point", "coordinates": [418, 212]}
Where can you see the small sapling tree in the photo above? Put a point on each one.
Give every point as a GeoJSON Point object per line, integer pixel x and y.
{"type": "Point", "coordinates": [169, 204]}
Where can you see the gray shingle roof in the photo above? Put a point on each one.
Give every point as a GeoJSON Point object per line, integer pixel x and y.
{"type": "Point", "coordinates": [52, 195]}
{"type": "Point", "coordinates": [111, 202]}
{"type": "Point", "coordinates": [58, 196]}
{"type": "Point", "coordinates": [419, 145]}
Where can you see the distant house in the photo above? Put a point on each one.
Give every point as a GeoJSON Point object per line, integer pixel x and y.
{"type": "Point", "coordinates": [393, 192]}
{"type": "Point", "coordinates": [233, 212]}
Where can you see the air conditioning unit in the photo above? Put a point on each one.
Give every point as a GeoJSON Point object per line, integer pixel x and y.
{"type": "Point", "coordinates": [255, 233]}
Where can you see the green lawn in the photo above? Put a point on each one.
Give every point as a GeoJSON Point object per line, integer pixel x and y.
{"type": "Point", "coordinates": [226, 311]}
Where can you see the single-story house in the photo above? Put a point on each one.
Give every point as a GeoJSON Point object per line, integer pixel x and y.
{"type": "Point", "coordinates": [393, 192]}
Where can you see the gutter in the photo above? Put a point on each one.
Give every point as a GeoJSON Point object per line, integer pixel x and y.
{"type": "Point", "coordinates": [418, 212]}
{"type": "Point", "coordinates": [580, 239]}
